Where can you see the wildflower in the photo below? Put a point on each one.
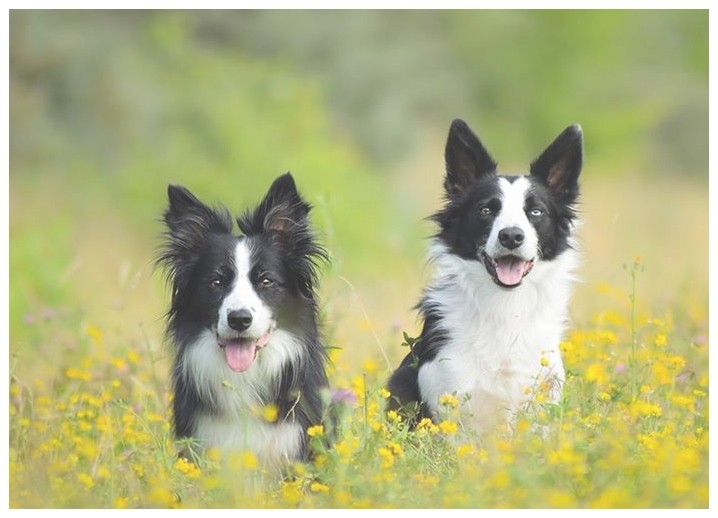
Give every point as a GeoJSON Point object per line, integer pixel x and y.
{"type": "Point", "coordinates": [74, 373]}
{"type": "Point", "coordinates": [318, 487]}
{"type": "Point", "coordinates": [660, 340]}
{"type": "Point", "coordinates": [370, 366]}
{"type": "Point", "coordinates": [387, 458]}
{"type": "Point", "coordinates": [430, 480]}
{"type": "Point", "coordinates": [86, 480]}
{"type": "Point", "coordinates": [449, 400]}
{"type": "Point", "coordinates": [393, 416]}
{"type": "Point", "coordinates": [395, 448]}
{"type": "Point", "coordinates": [560, 498]}
{"type": "Point", "coordinates": [596, 373]}
{"type": "Point", "coordinates": [249, 460]}
{"type": "Point", "coordinates": [465, 450]}
{"type": "Point", "coordinates": [448, 427]}
{"type": "Point", "coordinates": [384, 393]}
{"type": "Point", "coordinates": [270, 413]}
{"type": "Point", "coordinates": [316, 431]}
{"type": "Point", "coordinates": [133, 357]}
{"type": "Point", "coordinates": [187, 468]}
{"type": "Point", "coordinates": [427, 425]}
{"type": "Point", "coordinates": [121, 502]}
{"type": "Point", "coordinates": [292, 492]}
{"type": "Point", "coordinates": [344, 396]}
{"type": "Point", "coordinates": [644, 409]}
{"type": "Point", "coordinates": [120, 364]}
{"type": "Point", "coordinates": [95, 334]}
{"type": "Point", "coordinates": [162, 496]}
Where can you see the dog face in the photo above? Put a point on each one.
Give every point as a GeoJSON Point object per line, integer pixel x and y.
{"type": "Point", "coordinates": [241, 288]}
{"type": "Point", "coordinates": [509, 223]}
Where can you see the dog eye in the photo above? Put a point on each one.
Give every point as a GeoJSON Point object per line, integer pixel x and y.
{"type": "Point", "coordinates": [485, 211]}
{"type": "Point", "coordinates": [536, 212]}
{"type": "Point", "coordinates": [216, 283]}
{"type": "Point", "coordinates": [266, 282]}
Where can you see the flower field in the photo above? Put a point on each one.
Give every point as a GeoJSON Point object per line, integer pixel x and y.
{"type": "Point", "coordinates": [631, 431]}
{"type": "Point", "coordinates": [109, 107]}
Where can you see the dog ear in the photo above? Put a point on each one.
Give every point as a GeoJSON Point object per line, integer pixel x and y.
{"type": "Point", "coordinates": [560, 164]}
{"type": "Point", "coordinates": [466, 158]}
{"type": "Point", "coordinates": [189, 221]}
{"type": "Point", "coordinates": [282, 210]}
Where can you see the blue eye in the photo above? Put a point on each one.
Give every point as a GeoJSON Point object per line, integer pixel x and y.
{"type": "Point", "coordinates": [536, 212]}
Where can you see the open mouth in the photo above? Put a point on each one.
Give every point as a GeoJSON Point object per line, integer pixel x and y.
{"type": "Point", "coordinates": [240, 352]}
{"type": "Point", "coordinates": [507, 271]}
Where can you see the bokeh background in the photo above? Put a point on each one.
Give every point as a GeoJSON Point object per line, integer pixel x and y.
{"type": "Point", "coordinates": [108, 107]}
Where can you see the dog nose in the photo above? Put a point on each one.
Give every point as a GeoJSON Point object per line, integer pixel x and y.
{"type": "Point", "coordinates": [511, 237]}
{"type": "Point", "coordinates": [240, 319]}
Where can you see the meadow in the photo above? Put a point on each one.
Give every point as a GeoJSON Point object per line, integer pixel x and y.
{"type": "Point", "coordinates": [89, 415]}
{"type": "Point", "coordinates": [91, 156]}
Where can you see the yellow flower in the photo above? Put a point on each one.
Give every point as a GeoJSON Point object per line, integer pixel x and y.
{"type": "Point", "coordinates": [77, 374]}
{"type": "Point", "coordinates": [316, 431]}
{"type": "Point", "coordinates": [387, 457]}
{"type": "Point", "coordinates": [86, 480]}
{"type": "Point", "coordinates": [427, 425]}
{"type": "Point", "coordinates": [270, 413]}
{"type": "Point", "coordinates": [448, 427]}
{"type": "Point", "coordinates": [384, 393]}
{"type": "Point", "coordinates": [395, 448]}
{"type": "Point", "coordinates": [95, 334]}
{"type": "Point", "coordinates": [393, 416]}
{"type": "Point", "coordinates": [162, 496]}
{"type": "Point", "coordinates": [596, 372]}
{"type": "Point", "coordinates": [187, 468]}
{"type": "Point", "coordinates": [449, 400]}
{"type": "Point", "coordinates": [318, 487]}
{"type": "Point", "coordinates": [644, 409]}
{"type": "Point", "coordinates": [249, 460]}
{"type": "Point", "coordinates": [121, 502]}
{"type": "Point", "coordinates": [292, 492]}
{"type": "Point", "coordinates": [369, 366]}
{"type": "Point", "coordinates": [465, 450]}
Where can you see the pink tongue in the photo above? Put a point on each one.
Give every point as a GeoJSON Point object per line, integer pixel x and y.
{"type": "Point", "coordinates": [510, 270]}
{"type": "Point", "coordinates": [240, 354]}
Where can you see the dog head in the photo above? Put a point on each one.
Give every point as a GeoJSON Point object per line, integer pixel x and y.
{"type": "Point", "coordinates": [509, 223]}
{"type": "Point", "coordinates": [240, 287]}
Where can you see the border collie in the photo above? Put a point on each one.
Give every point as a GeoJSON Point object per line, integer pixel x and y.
{"type": "Point", "coordinates": [243, 322]}
{"type": "Point", "coordinates": [496, 307]}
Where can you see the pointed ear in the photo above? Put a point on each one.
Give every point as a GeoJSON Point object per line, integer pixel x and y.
{"type": "Point", "coordinates": [560, 164]}
{"type": "Point", "coordinates": [466, 158]}
{"type": "Point", "coordinates": [281, 210]}
{"type": "Point", "coordinates": [189, 220]}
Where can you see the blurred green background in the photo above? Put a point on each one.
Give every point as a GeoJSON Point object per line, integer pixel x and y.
{"type": "Point", "coordinates": [108, 107]}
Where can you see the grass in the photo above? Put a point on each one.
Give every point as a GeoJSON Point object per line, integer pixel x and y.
{"type": "Point", "coordinates": [88, 402]}
{"type": "Point", "coordinates": [631, 431]}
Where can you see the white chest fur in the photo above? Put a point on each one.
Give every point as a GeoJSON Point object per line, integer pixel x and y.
{"type": "Point", "coordinates": [239, 398]}
{"type": "Point", "coordinates": [502, 345]}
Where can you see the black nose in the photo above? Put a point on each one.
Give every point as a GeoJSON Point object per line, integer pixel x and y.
{"type": "Point", "coordinates": [240, 319]}
{"type": "Point", "coordinates": [511, 237]}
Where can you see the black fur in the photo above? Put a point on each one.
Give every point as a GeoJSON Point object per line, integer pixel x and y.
{"type": "Point", "coordinates": [470, 185]}
{"type": "Point", "coordinates": [197, 256]}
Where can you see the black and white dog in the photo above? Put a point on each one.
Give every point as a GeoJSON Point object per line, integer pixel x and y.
{"type": "Point", "coordinates": [496, 307]}
{"type": "Point", "coordinates": [249, 365]}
